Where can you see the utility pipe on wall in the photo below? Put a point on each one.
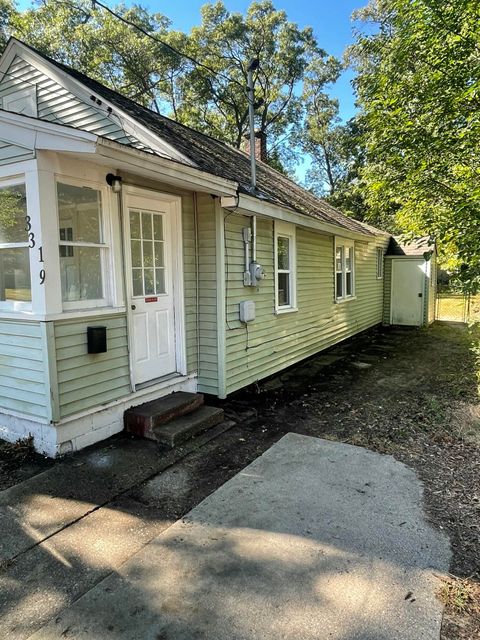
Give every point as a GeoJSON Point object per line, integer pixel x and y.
{"type": "Point", "coordinates": [254, 238]}
{"type": "Point", "coordinates": [251, 108]}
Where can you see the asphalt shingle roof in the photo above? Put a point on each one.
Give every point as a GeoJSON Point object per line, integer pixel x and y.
{"type": "Point", "coordinates": [416, 247]}
{"type": "Point", "coordinates": [219, 159]}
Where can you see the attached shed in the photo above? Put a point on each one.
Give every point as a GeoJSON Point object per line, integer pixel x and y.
{"type": "Point", "coordinates": [410, 282]}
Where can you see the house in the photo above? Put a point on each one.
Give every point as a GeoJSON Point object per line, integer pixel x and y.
{"type": "Point", "coordinates": [136, 260]}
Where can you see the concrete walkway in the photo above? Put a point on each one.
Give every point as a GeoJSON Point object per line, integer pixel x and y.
{"type": "Point", "coordinates": [313, 540]}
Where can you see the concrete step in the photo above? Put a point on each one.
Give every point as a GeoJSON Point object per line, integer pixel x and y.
{"type": "Point", "coordinates": [144, 418]}
{"type": "Point", "coordinates": [178, 431]}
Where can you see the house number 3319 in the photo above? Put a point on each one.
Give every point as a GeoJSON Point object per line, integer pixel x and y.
{"type": "Point", "coordinates": [31, 245]}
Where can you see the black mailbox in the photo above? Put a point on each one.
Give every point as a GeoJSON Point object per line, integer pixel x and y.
{"type": "Point", "coordinates": [97, 339]}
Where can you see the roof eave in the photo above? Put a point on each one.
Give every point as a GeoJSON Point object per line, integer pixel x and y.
{"type": "Point", "coordinates": [249, 205]}
{"type": "Point", "coordinates": [164, 169]}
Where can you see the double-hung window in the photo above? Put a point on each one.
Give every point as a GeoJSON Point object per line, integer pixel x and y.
{"type": "Point", "coordinates": [82, 246]}
{"type": "Point", "coordinates": [344, 269]}
{"type": "Point", "coordinates": [285, 266]}
{"type": "Point", "coordinates": [15, 285]}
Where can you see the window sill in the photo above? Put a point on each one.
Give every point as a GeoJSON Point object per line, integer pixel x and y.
{"type": "Point", "coordinates": [281, 311]}
{"type": "Point", "coordinates": [343, 300]}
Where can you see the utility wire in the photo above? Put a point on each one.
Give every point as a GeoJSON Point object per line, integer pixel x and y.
{"type": "Point", "coordinates": [156, 39]}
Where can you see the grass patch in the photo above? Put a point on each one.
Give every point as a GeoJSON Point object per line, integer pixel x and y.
{"type": "Point", "coordinates": [460, 594]}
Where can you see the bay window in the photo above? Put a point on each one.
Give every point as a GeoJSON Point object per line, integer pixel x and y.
{"type": "Point", "coordinates": [81, 246]}
{"type": "Point", "coordinates": [15, 226]}
{"type": "Point", "coordinates": [344, 269]}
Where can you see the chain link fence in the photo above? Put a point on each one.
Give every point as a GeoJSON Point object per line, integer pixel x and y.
{"type": "Point", "coordinates": [452, 306]}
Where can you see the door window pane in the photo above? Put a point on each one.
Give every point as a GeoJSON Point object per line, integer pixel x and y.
{"type": "Point", "coordinates": [136, 253]}
{"type": "Point", "coordinates": [135, 224]}
{"type": "Point", "coordinates": [149, 281]}
{"type": "Point", "coordinates": [148, 253]}
{"type": "Point", "coordinates": [158, 227]}
{"type": "Point", "coordinates": [81, 275]}
{"type": "Point", "coordinates": [147, 226]}
{"type": "Point", "coordinates": [160, 280]}
{"type": "Point", "coordinates": [159, 259]}
{"type": "Point", "coordinates": [137, 279]}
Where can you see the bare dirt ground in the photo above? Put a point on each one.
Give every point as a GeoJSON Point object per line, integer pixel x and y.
{"type": "Point", "coordinates": [409, 393]}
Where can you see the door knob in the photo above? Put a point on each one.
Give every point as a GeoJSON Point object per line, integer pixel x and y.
{"type": "Point", "coordinates": [133, 307]}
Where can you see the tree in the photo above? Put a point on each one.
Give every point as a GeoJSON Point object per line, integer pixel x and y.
{"type": "Point", "coordinates": [418, 88]}
{"type": "Point", "coordinates": [226, 42]}
{"type": "Point", "coordinates": [7, 11]}
{"type": "Point", "coordinates": [100, 45]}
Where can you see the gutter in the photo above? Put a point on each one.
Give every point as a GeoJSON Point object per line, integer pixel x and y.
{"type": "Point", "coordinates": [164, 169]}
{"type": "Point", "coordinates": [247, 205]}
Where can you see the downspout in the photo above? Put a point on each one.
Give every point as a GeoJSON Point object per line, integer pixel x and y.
{"type": "Point", "coordinates": [253, 65]}
{"type": "Point", "coordinates": [197, 279]}
{"type": "Point", "coordinates": [122, 222]}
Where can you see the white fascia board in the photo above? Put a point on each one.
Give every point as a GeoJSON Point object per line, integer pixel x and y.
{"type": "Point", "coordinates": [158, 168]}
{"type": "Point", "coordinates": [249, 206]}
{"type": "Point", "coordinates": [32, 133]}
{"type": "Point", "coordinates": [78, 89]}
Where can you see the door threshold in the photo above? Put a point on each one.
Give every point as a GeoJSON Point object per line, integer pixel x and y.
{"type": "Point", "coordinates": [152, 383]}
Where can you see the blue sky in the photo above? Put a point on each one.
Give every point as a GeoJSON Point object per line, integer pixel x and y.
{"type": "Point", "coordinates": [330, 20]}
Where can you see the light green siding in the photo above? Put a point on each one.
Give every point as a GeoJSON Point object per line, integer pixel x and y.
{"type": "Point", "coordinates": [387, 291]}
{"type": "Point", "coordinates": [90, 380]}
{"type": "Point", "coordinates": [189, 281]}
{"type": "Point", "coordinates": [207, 313]}
{"type": "Point", "coordinates": [273, 342]}
{"type": "Point", "coordinates": [24, 382]}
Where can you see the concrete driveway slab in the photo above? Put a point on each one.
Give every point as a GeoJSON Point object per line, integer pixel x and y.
{"type": "Point", "coordinates": [314, 539]}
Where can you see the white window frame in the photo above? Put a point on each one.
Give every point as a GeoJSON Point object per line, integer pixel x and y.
{"type": "Point", "coordinates": [347, 245]}
{"type": "Point", "coordinates": [17, 305]}
{"type": "Point", "coordinates": [106, 258]}
{"type": "Point", "coordinates": [380, 257]}
{"type": "Point", "coordinates": [286, 230]}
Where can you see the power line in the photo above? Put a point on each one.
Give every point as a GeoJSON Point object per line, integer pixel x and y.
{"type": "Point", "coordinates": [156, 39]}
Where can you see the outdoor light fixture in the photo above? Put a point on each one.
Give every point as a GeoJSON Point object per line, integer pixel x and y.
{"type": "Point", "coordinates": [114, 181]}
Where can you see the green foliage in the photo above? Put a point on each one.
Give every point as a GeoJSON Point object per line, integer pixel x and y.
{"type": "Point", "coordinates": [418, 87]}
{"type": "Point", "coordinates": [226, 42]}
{"type": "Point", "coordinates": [100, 45]}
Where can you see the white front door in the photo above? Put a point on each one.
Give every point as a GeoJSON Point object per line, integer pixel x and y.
{"type": "Point", "coordinates": [408, 284]}
{"type": "Point", "coordinates": [150, 286]}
